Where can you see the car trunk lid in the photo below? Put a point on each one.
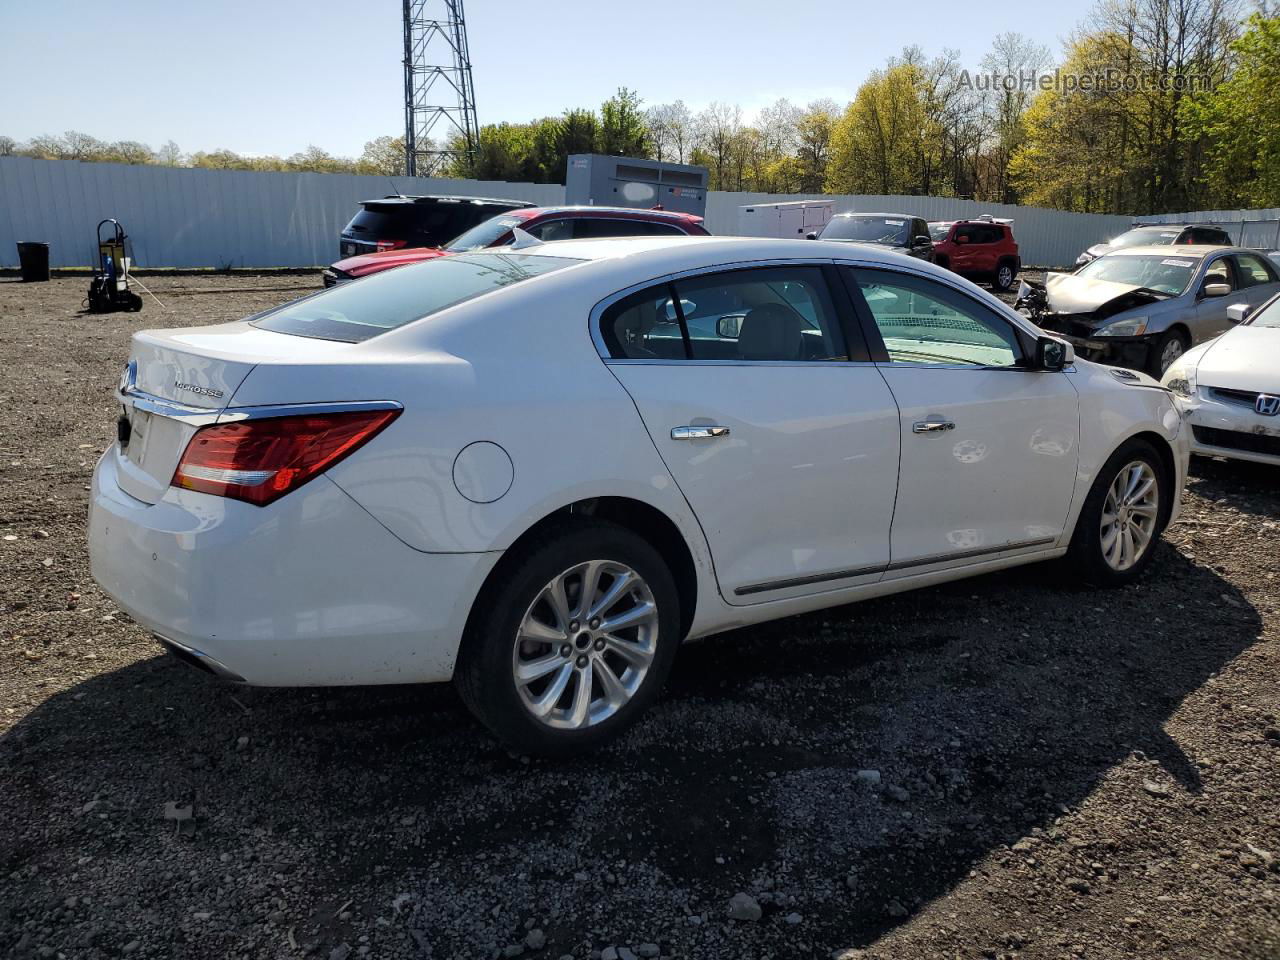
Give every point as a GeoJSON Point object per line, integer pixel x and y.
{"type": "Point", "coordinates": [177, 381]}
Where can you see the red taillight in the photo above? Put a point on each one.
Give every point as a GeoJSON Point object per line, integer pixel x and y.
{"type": "Point", "coordinates": [261, 460]}
{"type": "Point", "coordinates": [389, 245]}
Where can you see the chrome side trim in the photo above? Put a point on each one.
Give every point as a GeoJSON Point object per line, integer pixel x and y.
{"type": "Point", "coordinates": [665, 362]}
{"type": "Point", "coordinates": [970, 554]}
{"type": "Point", "coordinates": [236, 414]}
{"type": "Point", "coordinates": [887, 568]}
{"type": "Point", "coordinates": [805, 581]}
{"type": "Point", "coordinates": [205, 416]}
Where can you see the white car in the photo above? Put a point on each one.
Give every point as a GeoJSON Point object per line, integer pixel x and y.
{"type": "Point", "coordinates": [1229, 388]}
{"type": "Point", "coordinates": [536, 470]}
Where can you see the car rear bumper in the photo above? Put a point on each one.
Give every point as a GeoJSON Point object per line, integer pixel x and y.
{"type": "Point", "coordinates": [308, 591]}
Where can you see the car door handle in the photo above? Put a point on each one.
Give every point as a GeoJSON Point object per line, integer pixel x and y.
{"type": "Point", "coordinates": [932, 426]}
{"type": "Point", "coordinates": [698, 433]}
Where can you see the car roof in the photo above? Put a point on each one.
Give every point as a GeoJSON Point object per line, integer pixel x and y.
{"type": "Point", "coordinates": [635, 213]}
{"type": "Point", "coordinates": [1173, 226]}
{"type": "Point", "coordinates": [859, 213]}
{"type": "Point", "coordinates": [395, 198]}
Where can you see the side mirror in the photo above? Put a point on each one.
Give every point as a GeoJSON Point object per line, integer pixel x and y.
{"type": "Point", "coordinates": [1238, 312]}
{"type": "Point", "coordinates": [962, 239]}
{"type": "Point", "coordinates": [729, 326]}
{"type": "Point", "coordinates": [1053, 354]}
{"type": "Point", "coordinates": [688, 306]}
{"type": "Point", "coordinates": [922, 241]}
{"type": "Point", "coordinates": [1215, 290]}
{"type": "Point", "coordinates": [811, 236]}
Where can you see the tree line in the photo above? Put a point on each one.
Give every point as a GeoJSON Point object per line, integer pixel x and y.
{"type": "Point", "coordinates": [1154, 106]}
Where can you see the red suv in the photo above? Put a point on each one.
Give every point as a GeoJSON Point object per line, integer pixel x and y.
{"type": "Point", "coordinates": [545, 223]}
{"type": "Point", "coordinates": [982, 249]}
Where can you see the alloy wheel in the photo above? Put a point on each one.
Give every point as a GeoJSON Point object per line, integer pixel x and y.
{"type": "Point", "coordinates": [1129, 515]}
{"type": "Point", "coordinates": [585, 644]}
{"type": "Point", "coordinates": [1005, 277]}
{"type": "Point", "coordinates": [1171, 352]}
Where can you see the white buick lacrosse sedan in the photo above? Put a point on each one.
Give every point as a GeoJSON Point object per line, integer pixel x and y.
{"type": "Point", "coordinates": [536, 470]}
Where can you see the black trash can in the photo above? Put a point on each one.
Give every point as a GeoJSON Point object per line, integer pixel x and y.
{"type": "Point", "coordinates": [33, 257]}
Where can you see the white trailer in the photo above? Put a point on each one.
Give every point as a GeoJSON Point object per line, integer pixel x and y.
{"type": "Point", "coordinates": [795, 219]}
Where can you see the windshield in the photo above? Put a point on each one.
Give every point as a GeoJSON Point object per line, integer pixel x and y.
{"type": "Point", "coordinates": [484, 234]}
{"type": "Point", "coordinates": [1146, 237]}
{"type": "Point", "coordinates": [1169, 275]}
{"type": "Point", "coordinates": [1267, 317]}
{"type": "Point", "coordinates": [887, 230]}
{"type": "Point", "coordinates": [939, 231]}
{"type": "Point", "coordinates": [354, 312]}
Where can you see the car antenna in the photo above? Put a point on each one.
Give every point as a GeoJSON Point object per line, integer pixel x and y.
{"type": "Point", "coordinates": [523, 239]}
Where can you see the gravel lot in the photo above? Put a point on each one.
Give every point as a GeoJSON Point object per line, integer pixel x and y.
{"type": "Point", "coordinates": [1004, 767]}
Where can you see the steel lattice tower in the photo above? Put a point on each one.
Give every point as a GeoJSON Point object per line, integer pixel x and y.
{"type": "Point", "coordinates": [437, 85]}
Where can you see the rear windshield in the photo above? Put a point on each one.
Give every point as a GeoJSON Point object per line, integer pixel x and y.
{"type": "Point", "coordinates": [384, 301]}
{"type": "Point", "coordinates": [939, 231]}
{"type": "Point", "coordinates": [435, 223]}
{"type": "Point", "coordinates": [888, 230]}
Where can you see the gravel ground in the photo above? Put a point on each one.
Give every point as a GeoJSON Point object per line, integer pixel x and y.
{"type": "Point", "coordinates": [1003, 767]}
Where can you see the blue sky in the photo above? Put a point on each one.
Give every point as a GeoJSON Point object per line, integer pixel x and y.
{"type": "Point", "coordinates": [272, 76]}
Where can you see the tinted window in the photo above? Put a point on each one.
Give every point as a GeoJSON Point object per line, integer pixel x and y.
{"type": "Point", "coordinates": [1252, 270]}
{"type": "Point", "coordinates": [939, 231]}
{"type": "Point", "coordinates": [925, 322]}
{"type": "Point", "coordinates": [436, 222]}
{"type": "Point", "coordinates": [555, 230]}
{"type": "Point", "coordinates": [383, 301]}
{"type": "Point", "coordinates": [1210, 235]}
{"type": "Point", "coordinates": [774, 313]}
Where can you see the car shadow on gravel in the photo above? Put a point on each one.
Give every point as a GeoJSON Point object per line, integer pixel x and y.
{"type": "Point", "coordinates": [845, 768]}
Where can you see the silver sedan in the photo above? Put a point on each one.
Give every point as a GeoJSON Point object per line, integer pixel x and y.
{"type": "Point", "coordinates": [1143, 307]}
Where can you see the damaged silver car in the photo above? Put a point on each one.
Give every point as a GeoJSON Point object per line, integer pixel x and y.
{"type": "Point", "coordinates": [1143, 307]}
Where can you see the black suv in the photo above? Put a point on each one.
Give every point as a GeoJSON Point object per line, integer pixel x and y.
{"type": "Point", "coordinates": [398, 221]}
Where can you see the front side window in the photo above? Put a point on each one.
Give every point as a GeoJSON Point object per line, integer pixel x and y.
{"type": "Point", "coordinates": [924, 322]}
{"type": "Point", "coordinates": [782, 314]}
{"type": "Point", "coordinates": [1219, 271]}
{"type": "Point", "coordinates": [939, 231]}
{"type": "Point", "coordinates": [1252, 270]}
{"type": "Point", "coordinates": [353, 312]}
{"type": "Point", "coordinates": [555, 230]}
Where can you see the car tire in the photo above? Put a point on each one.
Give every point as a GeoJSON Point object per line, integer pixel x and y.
{"type": "Point", "coordinates": [1117, 508]}
{"type": "Point", "coordinates": [1002, 280]}
{"type": "Point", "coordinates": [1166, 349]}
{"type": "Point", "coordinates": [531, 649]}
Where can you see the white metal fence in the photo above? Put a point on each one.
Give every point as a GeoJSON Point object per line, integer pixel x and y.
{"type": "Point", "coordinates": [217, 218]}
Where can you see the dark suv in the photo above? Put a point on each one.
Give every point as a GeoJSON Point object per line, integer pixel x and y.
{"type": "Point", "coordinates": [897, 231]}
{"type": "Point", "coordinates": [398, 221]}
{"type": "Point", "coordinates": [981, 249]}
{"type": "Point", "coordinates": [1159, 235]}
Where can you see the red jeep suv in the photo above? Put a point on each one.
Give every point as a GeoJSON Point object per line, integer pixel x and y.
{"type": "Point", "coordinates": [982, 249]}
{"type": "Point", "coordinates": [545, 223]}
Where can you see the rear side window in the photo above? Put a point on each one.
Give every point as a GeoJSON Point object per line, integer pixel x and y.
{"type": "Point", "coordinates": [782, 314]}
{"type": "Point", "coordinates": [590, 228]}
{"type": "Point", "coordinates": [355, 312]}
{"type": "Point", "coordinates": [1253, 270]}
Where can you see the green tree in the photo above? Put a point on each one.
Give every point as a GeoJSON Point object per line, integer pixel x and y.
{"type": "Point", "coordinates": [382, 155]}
{"type": "Point", "coordinates": [1240, 122]}
{"type": "Point", "coordinates": [623, 131]}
